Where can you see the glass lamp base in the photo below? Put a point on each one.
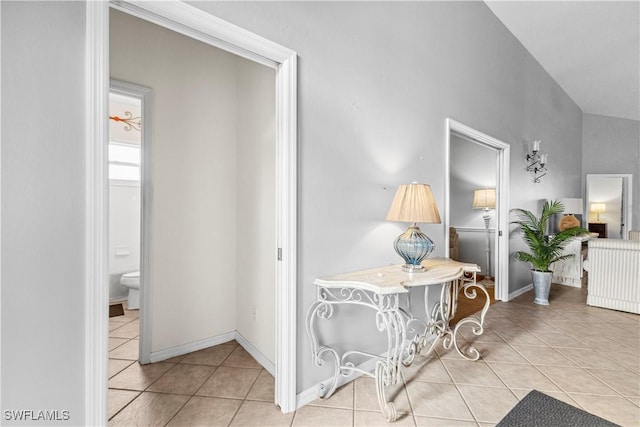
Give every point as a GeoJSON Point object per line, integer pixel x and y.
{"type": "Point", "coordinates": [410, 268]}
{"type": "Point", "coordinates": [413, 246]}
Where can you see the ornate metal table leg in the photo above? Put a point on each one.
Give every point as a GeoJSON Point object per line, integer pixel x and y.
{"type": "Point", "coordinates": [388, 319]}
{"type": "Point", "coordinates": [383, 376]}
{"type": "Point", "coordinates": [324, 310]}
{"type": "Point", "coordinates": [469, 290]}
{"type": "Point", "coordinates": [387, 372]}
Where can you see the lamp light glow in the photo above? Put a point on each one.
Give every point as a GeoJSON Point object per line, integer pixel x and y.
{"type": "Point", "coordinates": [598, 208]}
{"type": "Point", "coordinates": [484, 198]}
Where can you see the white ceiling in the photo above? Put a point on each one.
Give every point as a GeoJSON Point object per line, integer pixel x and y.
{"type": "Point", "coordinates": [590, 48]}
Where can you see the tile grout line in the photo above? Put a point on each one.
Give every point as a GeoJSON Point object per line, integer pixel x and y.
{"type": "Point", "coordinates": [576, 366]}
{"type": "Point", "coordinates": [464, 400]}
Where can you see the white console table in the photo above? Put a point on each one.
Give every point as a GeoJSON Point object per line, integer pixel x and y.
{"type": "Point", "coordinates": [386, 290]}
{"type": "Point", "coordinates": [570, 271]}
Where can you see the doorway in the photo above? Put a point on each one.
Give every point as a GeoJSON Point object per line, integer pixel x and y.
{"type": "Point", "coordinates": [460, 193]}
{"type": "Point", "coordinates": [130, 129]}
{"type": "Point", "coordinates": [189, 21]}
{"type": "Point", "coordinates": [609, 205]}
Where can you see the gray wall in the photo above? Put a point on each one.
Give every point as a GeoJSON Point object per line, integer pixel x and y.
{"type": "Point", "coordinates": [43, 139]}
{"type": "Point", "coordinates": [612, 145]}
{"type": "Point", "coordinates": [376, 82]}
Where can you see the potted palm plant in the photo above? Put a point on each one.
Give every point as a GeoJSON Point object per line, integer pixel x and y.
{"type": "Point", "coordinates": [545, 249]}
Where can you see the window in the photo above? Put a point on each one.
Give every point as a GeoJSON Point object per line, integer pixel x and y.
{"type": "Point", "coordinates": [124, 162]}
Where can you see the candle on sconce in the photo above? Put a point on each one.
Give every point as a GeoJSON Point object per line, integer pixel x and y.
{"type": "Point", "coordinates": [536, 145]}
{"type": "Point", "coordinates": [543, 158]}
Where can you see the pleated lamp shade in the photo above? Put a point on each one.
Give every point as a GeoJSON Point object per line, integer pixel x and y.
{"type": "Point", "coordinates": [484, 198]}
{"type": "Point", "coordinates": [572, 205]}
{"type": "Point", "coordinates": [414, 203]}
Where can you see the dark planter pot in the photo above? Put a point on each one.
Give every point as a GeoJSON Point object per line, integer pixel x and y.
{"type": "Point", "coordinates": [541, 286]}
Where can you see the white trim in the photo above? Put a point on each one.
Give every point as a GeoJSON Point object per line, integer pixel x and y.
{"type": "Point", "coordinates": [1, 406]}
{"type": "Point", "coordinates": [263, 360]}
{"type": "Point", "coordinates": [96, 236]}
{"type": "Point", "coordinates": [124, 183]}
{"type": "Point", "coordinates": [179, 350]}
{"type": "Point", "coordinates": [473, 229]}
{"type": "Point", "coordinates": [520, 291]}
{"type": "Point", "coordinates": [501, 240]}
{"type": "Point", "coordinates": [145, 95]}
{"type": "Point", "coordinates": [199, 25]}
{"type": "Point", "coordinates": [287, 205]}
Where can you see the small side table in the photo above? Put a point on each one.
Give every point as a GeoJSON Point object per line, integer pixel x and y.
{"type": "Point", "coordinates": [386, 291]}
{"type": "Point", "coordinates": [570, 271]}
{"type": "Point", "coordinates": [600, 228]}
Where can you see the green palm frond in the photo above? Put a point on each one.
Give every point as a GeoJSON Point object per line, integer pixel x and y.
{"type": "Point", "coordinates": [545, 249]}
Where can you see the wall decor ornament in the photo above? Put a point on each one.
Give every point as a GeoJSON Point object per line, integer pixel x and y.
{"type": "Point", "coordinates": [536, 161]}
{"type": "Point", "coordinates": [129, 121]}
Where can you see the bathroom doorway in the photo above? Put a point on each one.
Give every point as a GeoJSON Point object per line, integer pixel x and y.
{"type": "Point", "coordinates": [129, 146]}
{"type": "Point", "coordinates": [212, 31]}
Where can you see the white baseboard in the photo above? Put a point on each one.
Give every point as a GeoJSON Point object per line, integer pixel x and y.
{"type": "Point", "coordinates": [520, 291]}
{"type": "Point", "coordinates": [168, 353]}
{"type": "Point", "coordinates": [179, 350]}
{"type": "Point", "coordinates": [256, 354]}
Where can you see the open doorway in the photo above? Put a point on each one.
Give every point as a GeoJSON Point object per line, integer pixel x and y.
{"type": "Point", "coordinates": [125, 153]}
{"type": "Point", "coordinates": [473, 178]}
{"type": "Point", "coordinates": [129, 154]}
{"type": "Point", "coordinates": [609, 205]}
{"type": "Point", "coordinates": [189, 21]}
{"type": "Point", "coordinates": [210, 280]}
{"type": "Point", "coordinates": [485, 190]}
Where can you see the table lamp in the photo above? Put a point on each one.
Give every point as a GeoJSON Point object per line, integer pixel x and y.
{"type": "Point", "coordinates": [485, 199]}
{"type": "Point", "coordinates": [572, 206]}
{"type": "Point", "coordinates": [598, 208]}
{"type": "Point", "coordinates": [414, 203]}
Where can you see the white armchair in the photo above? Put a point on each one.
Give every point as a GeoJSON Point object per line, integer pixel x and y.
{"type": "Point", "coordinates": [614, 274]}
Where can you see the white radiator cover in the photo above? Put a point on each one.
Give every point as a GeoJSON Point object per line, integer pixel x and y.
{"type": "Point", "coordinates": [614, 274]}
{"type": "Point", "coordinates": [634, 235]}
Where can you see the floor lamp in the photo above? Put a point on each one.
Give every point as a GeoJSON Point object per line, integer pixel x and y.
{"type": "Point", "coordinates": [485, 198]}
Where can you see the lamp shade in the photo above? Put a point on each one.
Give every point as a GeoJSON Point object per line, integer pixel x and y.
{"type": "Point", "coordinates": [484, 198]}
{"type": "Point", "coordinates": [572, 205]}
{"type": "Point", "coordinates": [414, 203]}
{"type": "Point", "coordinates": [598, 207]}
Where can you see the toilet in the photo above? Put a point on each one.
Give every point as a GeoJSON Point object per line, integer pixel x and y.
{"type": "Point", "coordinates": [132, 282]}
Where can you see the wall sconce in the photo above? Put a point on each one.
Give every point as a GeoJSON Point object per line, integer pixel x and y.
{"type": "Point", "coordinates": [536, 161]}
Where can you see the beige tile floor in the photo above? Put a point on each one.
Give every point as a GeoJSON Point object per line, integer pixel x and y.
{"type": "Point", "coordinates": [585, 356]}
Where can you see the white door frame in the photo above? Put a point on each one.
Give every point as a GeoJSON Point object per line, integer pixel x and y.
{"type": "Point", "coordinates": [145, 95]}
{"type": "Point", "coordinates": [501, 237]}
{"type": "Point", "coordinates": [197, 24]}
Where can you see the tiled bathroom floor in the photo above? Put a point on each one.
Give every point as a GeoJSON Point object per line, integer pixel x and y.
{"type": "Point", "coordinates": [586, 356]}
